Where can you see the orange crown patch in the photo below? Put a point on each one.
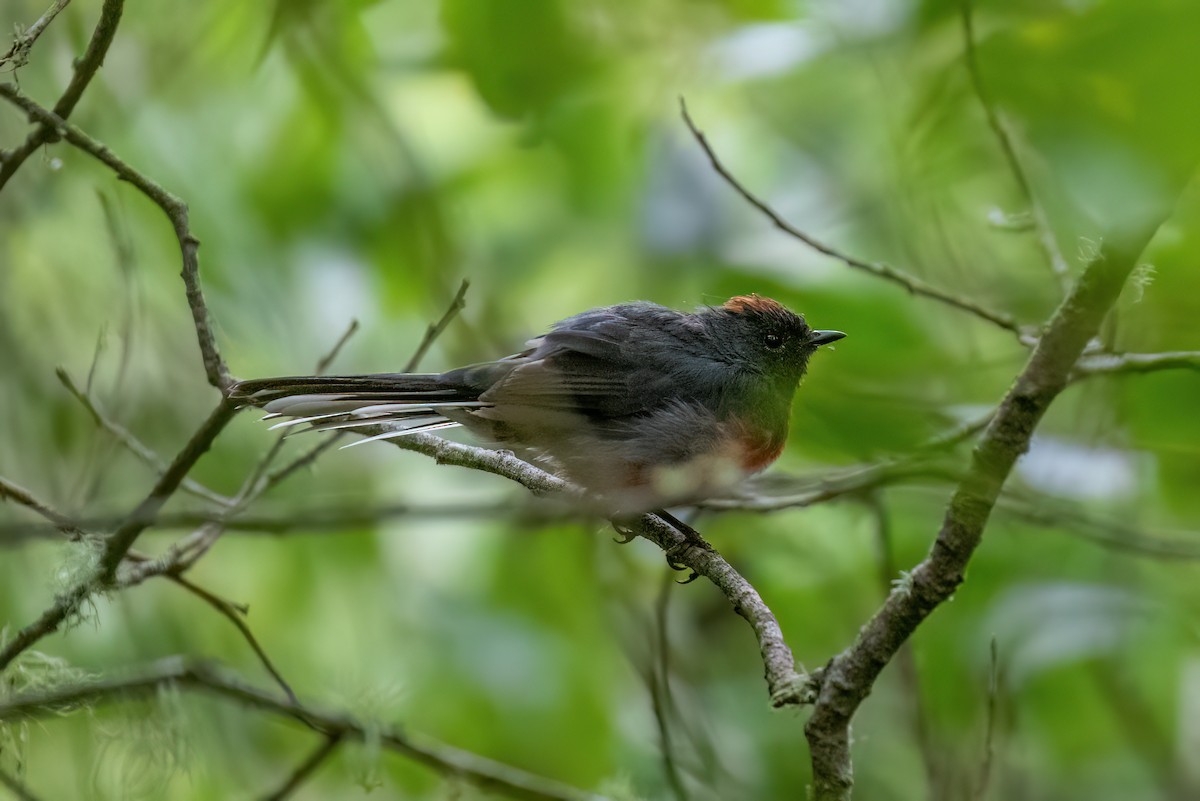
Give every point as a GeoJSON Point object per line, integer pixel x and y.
{"type": "Point", "coordinates": [753, 303]}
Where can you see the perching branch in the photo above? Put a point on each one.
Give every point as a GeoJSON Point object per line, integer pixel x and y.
{"type": "Point", "coordinates": [785, 685]}
{"type": "Point", "coordinates": [848, 678]}
{"type": "Point", "coordinates": [85, 68]}
{"type": "Point", "coordinates": [913, 284]}
{"type": "Point", "coordinates": [480, 771]}
{"type": "Point", "coordinates": [175, 209]}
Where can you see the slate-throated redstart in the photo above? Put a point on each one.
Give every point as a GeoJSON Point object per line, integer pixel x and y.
{"type": "Point", "coordinates": [642, 406]}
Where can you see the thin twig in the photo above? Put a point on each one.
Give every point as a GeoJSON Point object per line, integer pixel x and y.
{"type": "Point", "coordinates": [435, 329]}
{"type": "Point", "coordinates": [309, 521]}
{"type": "Point", "coordinates": [958, 434]}
{"type": "Point", "coordinates": [327, 359]}
{"type": "Point", "coordinates": [85, 68]}
{"type": "Point", "coordinates": [1043, 510]}
{"type": "Point", "coordinates": [23, 42]}
{"type": "Point", "coordinates": [234, 614]}
{"type": "Point", "coordinates": [1116, 363]}
{"type": "Point", "coordinates": [831, 486]}
{"type": "Point", "coordinates": [175, 209]}
{"type": "Point", "coordinates": [480, 771]}
{"type": "Point", "coordinates": [305, 769]}
{"type": "Point", "coordinates": [15, 492]}
{"type": "Point", "coordinates": [989, 745]}
{"type": "Point", "coordinates": [133, 444]}
{"type": "Point", "coordinates": [300, 462]}
{"type": "Point", "coordinates": [914, 285]}
{"type": "Point", "coordinates": [1041, 225]}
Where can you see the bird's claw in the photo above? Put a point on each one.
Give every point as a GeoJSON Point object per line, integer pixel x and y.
{"type": "Point", "coordinates": [627, 532]}
{"type": "Point", "coordinates": [679, 550]}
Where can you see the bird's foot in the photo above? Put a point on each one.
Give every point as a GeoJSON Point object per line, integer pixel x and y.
{"type": "Point", "coordinates": [691, 539]}
{"type": "Point", "coordinates": [676, 551]}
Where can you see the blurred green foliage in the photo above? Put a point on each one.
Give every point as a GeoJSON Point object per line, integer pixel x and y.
{"type": "Point", "coordinates": [357, 160]}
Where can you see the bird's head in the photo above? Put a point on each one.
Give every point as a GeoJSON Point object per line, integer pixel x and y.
{"type": "Point", "coordinates": [765, 334]}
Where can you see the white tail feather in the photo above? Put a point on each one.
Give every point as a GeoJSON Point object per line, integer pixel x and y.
{"type": "Point", "coordinates": [403, 433]}
{"type": "Point", "coordinates": [423, 419]}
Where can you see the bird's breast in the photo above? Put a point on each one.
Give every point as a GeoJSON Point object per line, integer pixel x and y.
{"type": "Point", "coordinates": [755, 448]}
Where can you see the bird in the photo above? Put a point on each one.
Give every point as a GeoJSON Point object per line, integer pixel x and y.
{"type": "Point", "coordinates": [641, 406]}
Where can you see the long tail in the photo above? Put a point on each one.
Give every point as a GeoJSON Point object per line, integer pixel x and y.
{"type": "Point", "coordinates": [410, 402]}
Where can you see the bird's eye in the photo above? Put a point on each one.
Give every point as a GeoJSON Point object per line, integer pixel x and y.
{"type": "Point", "coordinates": [773, 341]}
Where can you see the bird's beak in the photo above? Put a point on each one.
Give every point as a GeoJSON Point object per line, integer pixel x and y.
{"type": "Point", "coordinates": [824, 337]}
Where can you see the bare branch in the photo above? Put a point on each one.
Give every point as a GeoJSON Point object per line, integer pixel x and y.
{"type": "Point", "coordinates": [1116, 363]}
{"type": "Point", "coordinates": [305, 768]}
{"type": "Point", "coordinates": [435, 330]}
{"type": "Point", "coordinates": [480, 771]}
{"type": "Point", "coordinates": [175, 209]}
{"type": "Point", "coordinates": [85, 68]}
{"type": "Point", "coordinates": [913, 284]}
{"type": "Point", "coordinates": [1041, 225]}
{"type": "Point", "coordinates": [848, 678]}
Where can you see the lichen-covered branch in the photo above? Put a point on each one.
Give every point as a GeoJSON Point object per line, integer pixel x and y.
{"type": "Point", "coordinates": [117, 544]}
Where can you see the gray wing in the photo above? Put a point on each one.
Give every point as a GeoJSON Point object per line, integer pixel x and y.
{"type": "Point", "coordinates": [605, 364]}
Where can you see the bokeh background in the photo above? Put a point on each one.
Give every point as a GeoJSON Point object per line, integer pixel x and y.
{"type": "Point", "coordinates": [357, 160]}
